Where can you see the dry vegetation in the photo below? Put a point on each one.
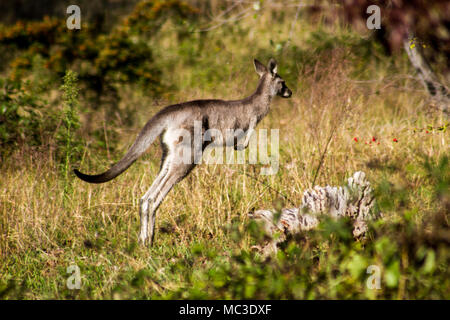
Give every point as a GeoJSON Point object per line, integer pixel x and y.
{"type": "Point", "coordinates": [347, 113]}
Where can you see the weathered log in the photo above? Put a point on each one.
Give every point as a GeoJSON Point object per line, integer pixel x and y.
{"type": "Point", "coordinates": [354, 200]}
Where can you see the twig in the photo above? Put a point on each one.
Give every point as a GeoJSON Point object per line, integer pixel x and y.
{"type": "Point", "coordinates": [322, 157]}
{"type": "Point", "coordinates": [269, 187]}
{"type": "Point", "coordinates": [292, 26]}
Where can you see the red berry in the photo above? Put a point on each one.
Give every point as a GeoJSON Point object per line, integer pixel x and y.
{"type": "Point", "coordinates": [395, 140]}
{"type": "Point", "coordinates": [356, 139]}
{"type": "Point", "coordinates": [374, 139]}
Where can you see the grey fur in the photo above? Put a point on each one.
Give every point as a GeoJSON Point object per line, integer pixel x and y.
{"type": "Point", "coordinates": [221, 115]}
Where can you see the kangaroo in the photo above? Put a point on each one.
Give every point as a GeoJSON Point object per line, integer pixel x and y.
{"type": "Point", "coordinates": [221, 115]}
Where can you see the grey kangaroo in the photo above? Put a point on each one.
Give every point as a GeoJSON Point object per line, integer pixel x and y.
{"type": "Point", "coordinates": [221, 115]}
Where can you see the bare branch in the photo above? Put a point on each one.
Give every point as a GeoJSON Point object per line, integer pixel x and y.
{"type": "Point", "coordinates": [435, 88]}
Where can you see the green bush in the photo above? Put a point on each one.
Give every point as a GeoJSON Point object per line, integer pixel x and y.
{"type": "Point", "coordinates": [101, 60]}
{"type": "Point", "coordinates": [68, 145]}
{"type": "Point", "coordinates": [22, 116]}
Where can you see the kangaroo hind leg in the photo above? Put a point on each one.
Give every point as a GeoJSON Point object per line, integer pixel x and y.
{"type": "Point", "coordinates": [144, 203]}
{"type": "Point", "coordinates": [173, 170]}
{"type": "Point", "coordinates": [176, 173]}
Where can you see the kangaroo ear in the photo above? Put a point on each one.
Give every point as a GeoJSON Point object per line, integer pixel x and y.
{"type": "Point", "coordinates": [259, 67]}
{"type": "Point", "coordinates": [272, 66]}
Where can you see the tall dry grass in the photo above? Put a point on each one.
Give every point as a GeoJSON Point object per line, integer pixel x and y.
{"type": "Point", "coordinates": [96, 227]}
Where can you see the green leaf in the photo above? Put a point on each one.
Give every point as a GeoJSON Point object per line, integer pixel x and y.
{"type": "Point", "coordinates": [430, 262]}
{"type": "Point", "coordinates": [357, 265]}
{"type": "Point", "coordinates": [392, 274]}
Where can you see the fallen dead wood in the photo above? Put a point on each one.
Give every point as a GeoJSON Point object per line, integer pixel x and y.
{"type": "Point", "coordinates": [353, 200]}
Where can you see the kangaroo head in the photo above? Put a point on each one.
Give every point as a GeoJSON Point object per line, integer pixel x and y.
{"type": "Point", "coordinates": [272, 79]}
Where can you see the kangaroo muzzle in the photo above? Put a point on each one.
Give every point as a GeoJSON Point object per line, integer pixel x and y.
{"type": "Point", "coordinates": [286, 92]}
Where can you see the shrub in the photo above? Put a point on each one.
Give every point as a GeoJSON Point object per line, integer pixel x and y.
{"type": "Point", "coordinates": [22, 116]}
{"type": "Point", "coordinates": [101, 60]}
{"type": "Point", "coordinates": [70, 123]}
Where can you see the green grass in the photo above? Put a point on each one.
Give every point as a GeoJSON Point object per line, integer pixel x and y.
{"type": "Point", "coordinates": [203, 242]}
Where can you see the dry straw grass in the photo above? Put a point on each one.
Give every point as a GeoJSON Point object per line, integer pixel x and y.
{"type": "Point", "coordinates": [42, 232]}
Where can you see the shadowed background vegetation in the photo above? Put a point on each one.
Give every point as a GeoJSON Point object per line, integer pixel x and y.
{"type": "Point", "coordinates": [77, 98]}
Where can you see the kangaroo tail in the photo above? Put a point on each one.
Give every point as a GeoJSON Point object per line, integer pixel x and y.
{"type": "Point", "coordinates": [148, 134]}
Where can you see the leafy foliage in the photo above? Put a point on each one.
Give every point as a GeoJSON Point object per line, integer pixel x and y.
{"type": "Point", "coordinates": [70, 123]}
{"type": "Point", "coordinates": [101, 60]}
{"type": "Point", "coordinates": [22, 116]}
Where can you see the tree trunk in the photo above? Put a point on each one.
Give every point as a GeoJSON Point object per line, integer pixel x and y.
{"type": "Point", "coordinates": [438, 92]}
